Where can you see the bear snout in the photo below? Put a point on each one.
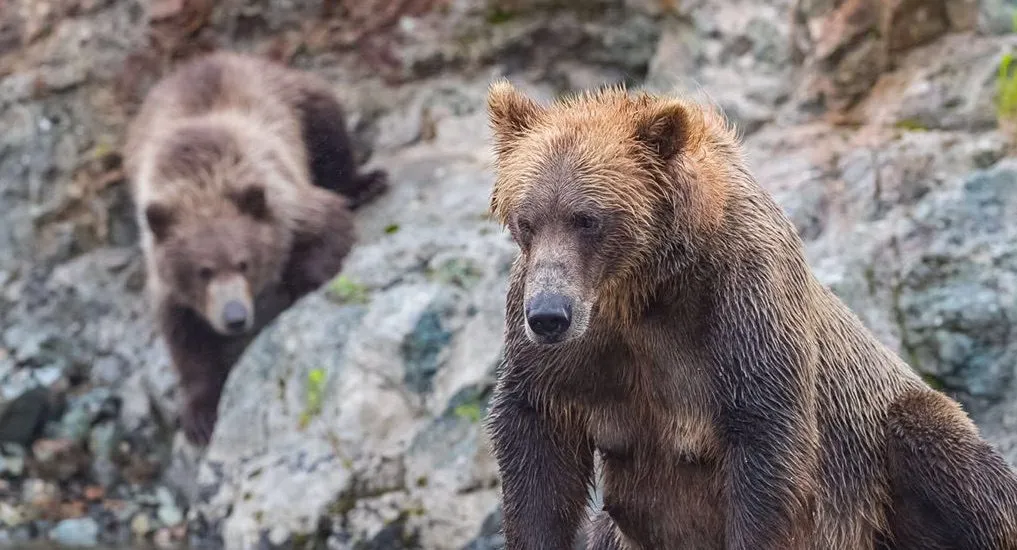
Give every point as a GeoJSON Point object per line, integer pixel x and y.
{"type": "Point", "coordinates": [235, 316]}
{"type": "Point", "coordinates": [229, 305]}
{"type": "Point", "coordinates": [549, 316]}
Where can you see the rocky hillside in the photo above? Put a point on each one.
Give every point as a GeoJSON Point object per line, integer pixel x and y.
{"type": "Point", "coordinates": [354, 420]}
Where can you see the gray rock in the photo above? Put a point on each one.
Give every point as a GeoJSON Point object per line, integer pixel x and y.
{"type": "Point", "coordinates": [948, 85]}
{"type": "Point", "coordinates": [23, 417]}
{"type": "Point", "coordinates": [734, 55]}
{"type": "Point", "coordinates": [490, 536]}
{"type": "Point", "coordinates": [76, 532]}
{"type": "Point", "coordinates": [102, 443]}
{"type": "Point", "coordinates": [86, 410]}
{"type": "Point", "coordinates": [11, 516]}
{"type": "Point", "coordinates": [997, 16]}
{"type": "Point", "coordinates": [960, 291]}
{"type": "Point", "coordinates": [170, 514]}
{"type": "Point", "coordinates": [12, 460]}
{"type": "Point", "coordinates": [55, 119]}
{"type": "Point", "coordinates": [141, 525]}
{"type": "Point", "coordinates": [530, 36]}
{"type": "Point", "coordinates": [421, 349]}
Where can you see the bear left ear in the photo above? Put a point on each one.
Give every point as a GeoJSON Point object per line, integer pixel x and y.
{"type": "Point", "coordinates": [251, 201]}
{"type": "Point", "coordinates": [510, 112]}
{"type": "Point", "coordinates": [664, 129]}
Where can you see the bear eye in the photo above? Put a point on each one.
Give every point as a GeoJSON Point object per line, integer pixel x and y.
{"type": "Point", "coordinates": [585, 222]}
{"type": "Point", "coordinates": [525, 229]}
{"type": "Point", "coordinates": [242, 266]}
{"type": "Point", "coordinates": [205, 273]}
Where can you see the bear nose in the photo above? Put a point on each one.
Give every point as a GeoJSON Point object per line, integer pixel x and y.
{"type": "Point", "coordinates": [234, 316]}
{"type": "Point", "coordinates": [549, 315]}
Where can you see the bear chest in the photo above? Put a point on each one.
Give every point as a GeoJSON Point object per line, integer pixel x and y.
{"type": "Point", "coordinates": [662, 404]}
{"type": "Point", "coordinates": [664, 434]}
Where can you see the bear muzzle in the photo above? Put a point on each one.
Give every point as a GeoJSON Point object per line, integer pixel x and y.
{"type": "Point", "coordinates": [235, 316]}
{"type": "Point", "coordinates": [230, 308]}
{"type": "Point", "coordinates": [549, 316]}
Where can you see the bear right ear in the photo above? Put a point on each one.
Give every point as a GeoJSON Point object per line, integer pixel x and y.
{"type": "Point", "coordinates": [510, 111]}
{"type": "Point", "coordinates": [160, 219]}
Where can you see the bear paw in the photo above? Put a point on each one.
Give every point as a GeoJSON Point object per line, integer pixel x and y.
{"type": "Point", "coordinates": [198, 423]}
{"type": "Point", "coordinates": [369, 186]}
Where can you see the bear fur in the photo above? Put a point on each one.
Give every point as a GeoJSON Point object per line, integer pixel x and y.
{"type": "Point", "coordinates": [243, 180]}
{"type": "Point", "coordinates": [662, 314]}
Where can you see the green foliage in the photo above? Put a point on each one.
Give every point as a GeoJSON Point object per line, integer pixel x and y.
{"type": "Point", "coordinates": [498, 15]}
{"type": "Point", "coordinates": [391, 228]}
{"type": "Point", "coordinates": [469, 411]}
{"type": "Point", "coordinates": [315, 394]}
{"type": "Point", "coordinates": [1006, 89]}
{"type": "Point", "coordinates": [460, 272]}
{"type": "Point", "coordinates": [346, 291]}
{"type": "Point", "coordinates": [911, 125]}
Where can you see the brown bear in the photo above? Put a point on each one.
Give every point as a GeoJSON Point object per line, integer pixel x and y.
{"type": "Point", "coordinates": [661, 312]}
{"type": "Point", "coordinates": [243, 180]}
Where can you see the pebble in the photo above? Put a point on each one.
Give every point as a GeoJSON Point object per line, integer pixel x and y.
{"type": "Point", "coordinates": [23, 405]}
{"type": "Point", "coordinates": [10, 516]}
{"type": "Point", "coordinates": [94, 492]}
{"type": "Point", "coordinates": [164, 496]}
{"type": "Point", "coordinates": [122, 510]}
{"type": "Point", "coordinates": [40, 494]}
{"type": "Point", "coordinates": [102, 442]}
{"type": "Point", "coordinates": [48, 376]}
{"type": "Point", "coordinates": [164, 538]}
{"type": "Point", "coordinates": [58, 458]}
{"type": "Point", "coordinates": [83, 411]}
{"type": "Point", "coordinates": [12, 459]}
{"type": "Point", "coordinates": [76, 532]}
{"type": "Point", "coordinates": [48, 450]}
{"type": "Point", "coordinates": [141, 525]}
{"type": "Point", "coordinates": [170, 515]}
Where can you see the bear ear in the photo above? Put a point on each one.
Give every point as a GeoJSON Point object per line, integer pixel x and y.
{"type": "Point", "coordinates": [160, 219]}
{"type": "Point", "coordinates": [663, 129]}
{"type": "Point", "coordinates": [510, 111]}
{"type": "Point", "coordinates": [251, 201]}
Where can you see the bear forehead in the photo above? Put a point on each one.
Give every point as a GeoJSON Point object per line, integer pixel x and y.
{"type": "Point", "coordinates": [214, 230]}
{"type": "Point", "coordinates": [198, 206]}
{"type": "Point", "coordinates": [194, 149]}
{"type": "Point", "coordinates": [603, 168]}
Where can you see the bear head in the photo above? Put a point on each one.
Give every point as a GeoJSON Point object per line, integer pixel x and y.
{"type": "Point", "coordinates": [608, 195]}
{"type": "Point", "coordinates": [219, 241]}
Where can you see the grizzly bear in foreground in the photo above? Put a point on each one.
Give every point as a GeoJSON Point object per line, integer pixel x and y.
{"type": "Point", "coordinates": [243, 181]}
{"type": "Point", "coordinates": [661, 312]}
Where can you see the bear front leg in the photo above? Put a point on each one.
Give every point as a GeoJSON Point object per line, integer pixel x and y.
{"type": "Point", "coordinates": [770, 491]}
{"type": "Point", "coordinates": [545, 470]}
{"type": "Point", "coordinates": [767, 375]}
{"type": "Point", "coordinates": [948, 488]}
{"type": "Point", "coordinates": [202, 359]}
{"type": "Point", "coordinates": [330, 149]}
{"type": "Point", "coordinates": [325, 235]}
